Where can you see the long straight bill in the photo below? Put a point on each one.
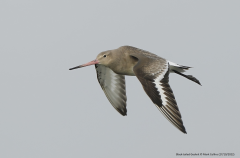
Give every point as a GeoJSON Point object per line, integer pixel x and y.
{"type": "Point", "coordinates": [87, 64]}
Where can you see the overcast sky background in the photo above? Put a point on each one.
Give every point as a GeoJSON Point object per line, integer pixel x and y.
{"type": "Point", "coordinates": [48, 111]}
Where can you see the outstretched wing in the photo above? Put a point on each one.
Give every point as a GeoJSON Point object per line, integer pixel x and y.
{"type": "Point", "coordinates": [153, 71]}
{"type": "Point", "coordinates": [113, 86]}
{"type": "Point", "coordinates": [162, 96]}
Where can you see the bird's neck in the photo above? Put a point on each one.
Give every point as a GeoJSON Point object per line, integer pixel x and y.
{"type": "Point", "coordinates": [123, 64]}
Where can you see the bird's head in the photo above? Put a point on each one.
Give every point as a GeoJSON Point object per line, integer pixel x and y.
{"type": "Point", "coordinates": [103, 58]}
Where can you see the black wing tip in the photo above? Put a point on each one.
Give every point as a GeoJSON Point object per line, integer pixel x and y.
{"type": "Point", "coordinates": [190, 77]}
{"type": "Point", "coordinates": [183, 130]}
{"type": "Point", "coordinates": [122, 112]}
{"type": "Point", "coordinates": [194, 79]}
{"type": "Point", "coordinates": [197, 81]}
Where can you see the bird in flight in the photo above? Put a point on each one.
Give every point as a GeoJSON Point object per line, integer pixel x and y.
{"type": "Point", "coordinates": [151, 70]}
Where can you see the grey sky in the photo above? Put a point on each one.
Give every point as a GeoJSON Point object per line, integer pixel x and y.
{"type": "Point", "coordinates": [48, 111]}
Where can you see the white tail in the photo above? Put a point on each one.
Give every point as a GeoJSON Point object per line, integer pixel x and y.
{"type": "Point", "coordinates": [178, 69]}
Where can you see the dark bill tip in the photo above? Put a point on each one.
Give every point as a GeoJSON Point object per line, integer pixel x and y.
{"type": "Point", "coordinates": [87, 64]}
{"type": "Point", "coordinates": [76, 67]}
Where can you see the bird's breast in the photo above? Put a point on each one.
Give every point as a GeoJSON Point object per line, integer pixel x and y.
{"type": "Point", "coordinates": [123, 64]}
{"type": "Point", "coordinates": [124, 70]}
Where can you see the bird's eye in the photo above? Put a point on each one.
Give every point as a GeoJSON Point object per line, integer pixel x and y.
{"type": "Point", "coordinates": [104, 56]}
